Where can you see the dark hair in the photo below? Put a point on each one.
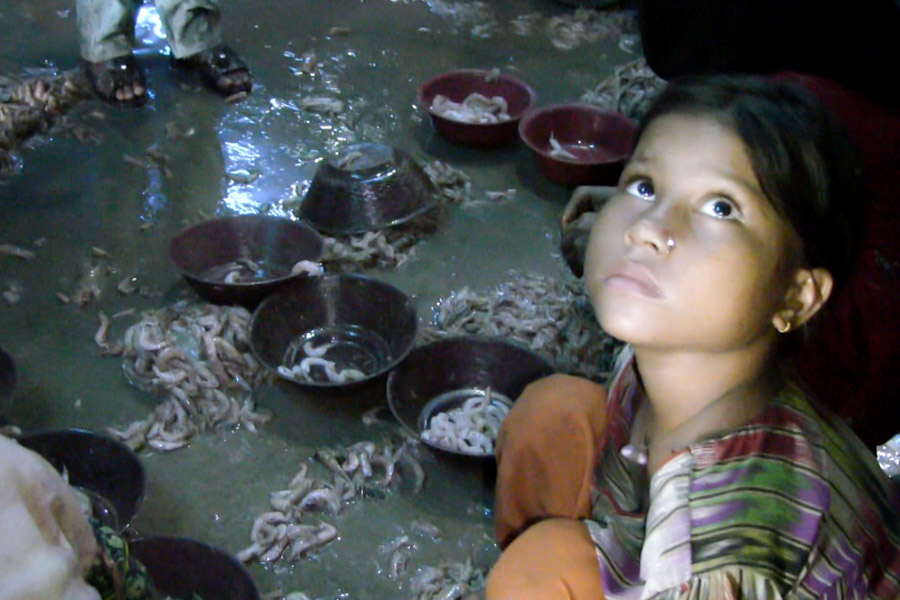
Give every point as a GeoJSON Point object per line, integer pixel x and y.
{"type": "Point", "coordinates": [802, 158]}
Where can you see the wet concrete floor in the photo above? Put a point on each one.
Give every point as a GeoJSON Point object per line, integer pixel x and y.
{"type": "Point", "coordinates": [78, 195]}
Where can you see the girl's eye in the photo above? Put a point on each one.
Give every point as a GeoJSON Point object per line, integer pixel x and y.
{"type": "Point", "coordinates": [720, 208]}
{"type": "Point", "coordinates": [642, 188]}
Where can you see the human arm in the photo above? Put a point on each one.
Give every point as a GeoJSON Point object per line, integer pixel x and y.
{"type": "Point", "coordinates": [577, 220]}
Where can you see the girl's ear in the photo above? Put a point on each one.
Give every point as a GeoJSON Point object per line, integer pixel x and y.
{"type": "Point", "coordinates": [808, 292]}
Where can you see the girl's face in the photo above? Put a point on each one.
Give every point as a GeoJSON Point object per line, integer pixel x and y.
{"type": "Point", "coordinates": [689, 254]}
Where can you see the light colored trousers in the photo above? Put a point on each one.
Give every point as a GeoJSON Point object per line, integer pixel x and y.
{"type": "Point", "coordinates": [106, 27]}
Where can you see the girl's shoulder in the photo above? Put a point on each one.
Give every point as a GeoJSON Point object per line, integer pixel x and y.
{"type": "Point", "coordinates": [797, 494]}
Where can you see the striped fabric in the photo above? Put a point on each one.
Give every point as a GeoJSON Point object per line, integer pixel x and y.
{"type": "Point", "coordinates": [790, 506]}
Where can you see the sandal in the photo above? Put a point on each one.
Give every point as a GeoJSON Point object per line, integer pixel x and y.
{"type": "Point", "coordinates": [222, 68]}
{"type": "Point", "coordinates": [109, 77]}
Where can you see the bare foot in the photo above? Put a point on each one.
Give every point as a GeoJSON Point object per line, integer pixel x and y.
{"type": "Point", "coordinates": [222, 69]}
{"type": "Point", "coordinates": [119, 80]}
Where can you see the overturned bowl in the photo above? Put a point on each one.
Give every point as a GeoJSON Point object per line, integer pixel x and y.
{"type": "Point", "coordinates": [473, 380]}
{"type": "Point", "coordinates": [367, 187]}
{"type": "Point", "coordinates": [578, 144]}
{"type": "Point", "coordinates": [242, 259]}
{"type": "Point", "coordinates": [7, 381]}
{"type": "Point", "coordinates": [182, 567]}
{"type": "Point", "coordinates": [104, 472]}
{"type": "Point", "coordinates": [334, 330]}
{"type": "Point", "coordinates": [475, 91]}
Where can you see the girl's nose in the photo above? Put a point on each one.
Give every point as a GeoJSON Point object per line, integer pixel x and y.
{"type": "Point", "coordinates": [651, 233]}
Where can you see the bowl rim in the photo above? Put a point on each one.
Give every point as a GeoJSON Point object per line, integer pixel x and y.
{"type": "Point", "coordinates": [243, 285]}
{"type": "Point", "coordinates": [398, 155]}
{"type": "Point", "coordinates": [322, 385]}
{"type": "Point", "coordinates": [537, 112]}
{"type": "Point", "coordinates": [8, 387]}
{"type": "Point", "coordinates": [456, 338]}
{"type": "Point", "coordinates": [87, 433]}
{"type": "Point", "coordinates": [529, 92]}
{"type": "Point", "coordinates": [205, 546]}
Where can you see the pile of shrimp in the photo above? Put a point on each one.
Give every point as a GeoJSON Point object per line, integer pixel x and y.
{"type": "Point", "coordinates": [553, 318]}
{"type": "Point", "coordinates": [587, 26]}
{"type": "Point", "coordinates": [30, 104]}
{"type": "Point", "coordinates": [361, 469]}
{"type": "Point", "coordinates": [451, 581]}
{"type": "Point", "coordinates": [198, 358]}
{"type": "Point", "coordinates": [471, 427]}
{"type": "Point", "coordinates": [630, 90]}
{"type": "Point", "coordinates": [475, 108]}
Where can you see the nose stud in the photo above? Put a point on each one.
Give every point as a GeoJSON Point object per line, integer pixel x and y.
{"type": "Point", "coordinates": [670, 244]}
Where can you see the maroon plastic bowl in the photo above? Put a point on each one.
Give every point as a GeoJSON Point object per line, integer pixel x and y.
{"type": "Point", "coordinates": [600, 140]}
{"type": "Point", "coordinates": [457, 85]}
{"type": "Point", "coordinates": [276, 243]}
{"type": "Point", "coordinates": [182, 567]}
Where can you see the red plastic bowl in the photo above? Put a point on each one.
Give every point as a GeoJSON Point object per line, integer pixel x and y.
{"type": "Point", "coordinates": [601, 141]}
{"type": "Point", "coordinates": [457, 85]}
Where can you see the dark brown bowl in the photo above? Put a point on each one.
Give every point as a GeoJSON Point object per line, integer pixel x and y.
{"type": "Point", "coordinates": [367, 187]}
{"type": "Point", "coordinates": [182, 567]}
{"type": "Point", "coordinates": [432, 371]}
{"type": "Point", "coordinates": [371, 324]}
{"type": "Point", "coordinates": [457, 85]}
{"type": "Point", "coordinates": [601, 141]}
{"type": "Point", "coordinates": [7, 381]}
{"type": "Point", "coordinates": [104, 469]}
{"type": "Point", "coordinates": [274, 243]}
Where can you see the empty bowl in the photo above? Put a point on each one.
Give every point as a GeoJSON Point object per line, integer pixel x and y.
{"type": "Point", "coordinates": [367, 187]}
{"type": "Point", "coordinates": [578, 144]}
{"type": "Point", "coordinates": [7, 381]}
{"type": "Point", "coordinates": [457, 87]}
{"type": "Point", "coordinates": [181, 567]}
{"type": "Point", "coordinates": [242, 259]}
{"type": "Point", "coordinates": [104, 471]}
{"type": "Point", "coordinates": [335, 330]}
{"type": "Point", "coordinates": [444, 376]}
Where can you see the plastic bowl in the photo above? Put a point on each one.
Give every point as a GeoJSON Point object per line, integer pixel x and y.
{"type": "Point", "coordinates": [440, 375]}
{"type": "Point", "coordinates": [598, 140]}
{"type": "Point", "coordinates": [181, 567]}
{"type": "Point", "coordinates": [103, 469]}
{"type": "Point", "coordinates": [367, 187]}
{"type": "Point", "coordinates": [204, 252]}
{"type": "Point", "coordinates": [457, 85]}
{"type": "Point", "coordinates": [7, 381]}
{"type": "Point", "coordinates": [353, 321]}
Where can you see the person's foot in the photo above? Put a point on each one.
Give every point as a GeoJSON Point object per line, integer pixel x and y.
{"type": "Point", "coordinates": [119, 80]}
{"type": "Point", "coordinates": [222, 68]}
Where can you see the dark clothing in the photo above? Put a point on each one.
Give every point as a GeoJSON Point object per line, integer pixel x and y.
{"type": "Point", "coordinates": [853, 42]}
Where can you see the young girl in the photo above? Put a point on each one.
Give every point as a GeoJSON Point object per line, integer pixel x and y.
{"type": "Point", "coordinates": [705, 473]}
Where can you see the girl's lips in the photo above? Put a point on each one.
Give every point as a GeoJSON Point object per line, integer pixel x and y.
{"type": "Point", "coordinates": [632, 277]}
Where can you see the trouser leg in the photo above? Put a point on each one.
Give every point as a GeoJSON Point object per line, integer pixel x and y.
{"type": "Point", "coordinates": [546, 454]}
{"type": "Point", "coordinates": [191, 25]}
{"type": "Point", "coordinates": [105, 28]}
{"type": "Point", "coordinates": [552, 560]}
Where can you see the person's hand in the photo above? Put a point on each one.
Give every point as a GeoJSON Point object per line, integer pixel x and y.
{"type": "Point", "coordinates": [576, 221]}
{"type": "Point", "coordinates": [585, 198]}
{"type": "Point", "coordinates": [46, 544]}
